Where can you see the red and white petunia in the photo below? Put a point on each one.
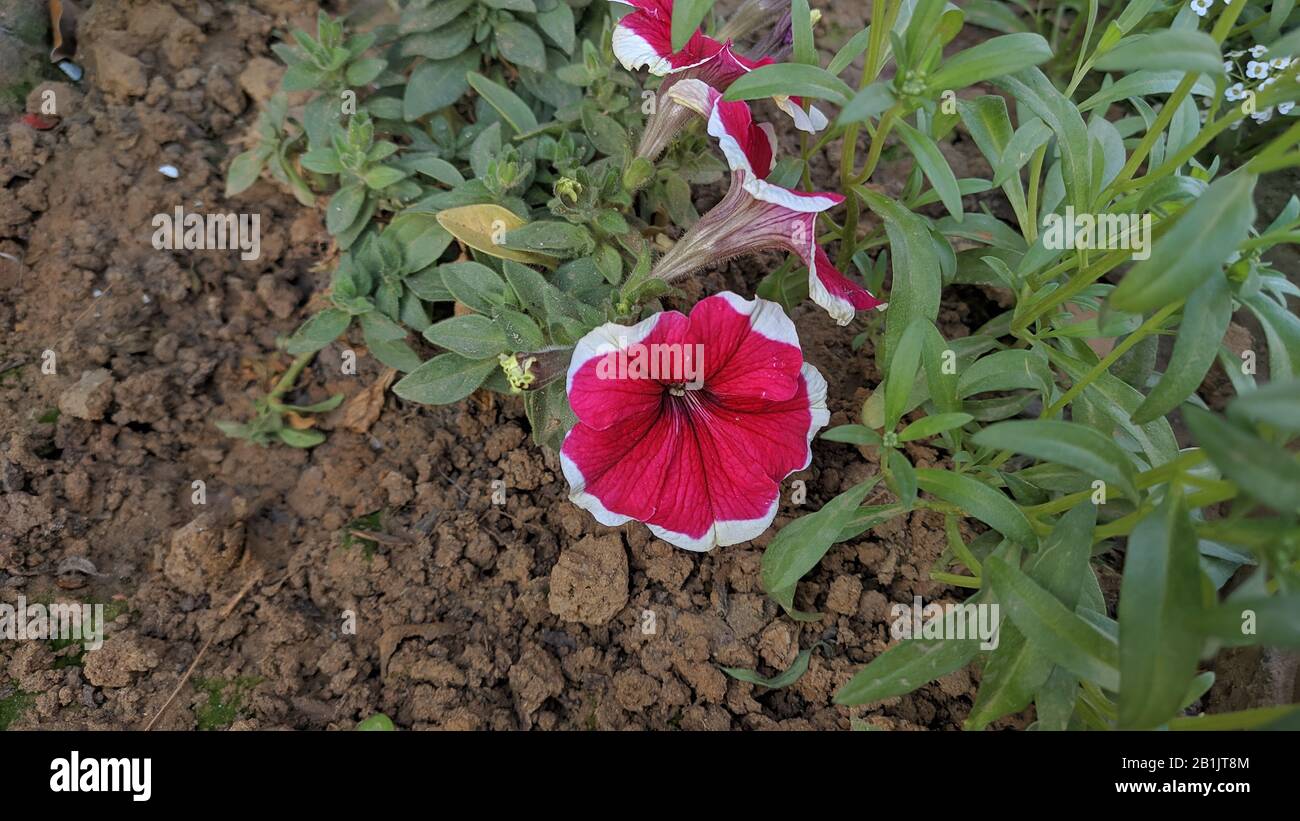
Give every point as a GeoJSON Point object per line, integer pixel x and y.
{"type": "Point", "coordinates": [698, 460]}
{"type": "Point", "coordinates": [756, 214]}
{"type": "Point", "coordinates": [643, 39]}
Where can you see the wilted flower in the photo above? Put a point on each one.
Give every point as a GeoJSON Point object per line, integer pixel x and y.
{"type": "Point", "coordinates": [643, 38]}
{"type": "Point", "coordinates": [755, 214]}
{"type": "Point", "coordinates": [700, 461]}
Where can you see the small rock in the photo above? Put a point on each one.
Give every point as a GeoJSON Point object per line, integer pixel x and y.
{"type": "Point", "coordinates": [844, 594]}
{"type": "Point", "coordinates": [115, 663]}
{"type": "Point", "coordinates": [90, 397]}
{"type": "Point", "coordinates": [204, 551]}
{"type": "Point", "coordinates": [589, 582]}
{"type": "Point", "coordinates": [118, 75]}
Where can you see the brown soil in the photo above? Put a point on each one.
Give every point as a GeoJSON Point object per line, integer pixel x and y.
{"type": "Point", "coordinates": [467, 614]}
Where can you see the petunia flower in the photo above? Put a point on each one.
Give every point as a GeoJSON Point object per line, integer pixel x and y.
{"type": "Point", "coordinates": [643, 39]}
{"type": "Point", "coordinates": [689, 424]}
{"type": "Point", "coordinates": [756, 214]}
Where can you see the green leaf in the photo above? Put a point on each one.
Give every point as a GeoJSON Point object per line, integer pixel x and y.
{"type": "Point", "coordinates": [915, 292]}
{"type": "Point", "coordinates": [1205, 321]}
{"type": "Point", "coordinates": [928, 426]}
{"type": "Point", "coordinates": [1282, 330]}
{"type": "Point", "coordinates": [1159, 605]}
{"type": "Point", "coordinates": [801, 23]}
{"type": "Point", "coordinates": [1170, 49]}
{"type": "Point", "coordinates": [1066, 443]}
{"type": "Point", "coordinates": [1017, 669]}
{"type": "Point", "coordinates": [1033, 91]}
{"type": "Point", "coordinates": [512, 109]}
{"type": "Point", "coordinates": [1051, 627]}
{"type": "Point", "coordinates": [436, 85]}
{"type": "Point", "coordinates": [850, 51]}
{"type": "Point", "coordinates": [871, 101]}
{"type": "Point", "coordinates": [243, 172]}
{"type": "Point", "coordinates": [560, 239]}
{"type": "Point", "coordinates": [557, 24]}
{"type": "Point", "coordinates": [800, 545]}
{"type": "Point", "coordinates": [992, 58]}
{"type": "Point", "coordinates": [444, 379]}
{"type": "Point", "coordinates": [852, 434]}
{"type": "Point", "coordinates": [687, 16]}
{"type": "Point", "coordinates": [1117, 401]}
{"type": "Point", "coordinates": [344, 207]}
{"type": "Point", "coordinates": [790, 676]}
{"type": "Point", "coordinates": [521, 45]}
{"type": "Point", "coordinates": [981, 501]}
{"type": "Point", "coordinates": [473, 336]}
{"type": "Point", "coordinates": [1269, 474]}
{"type": "Point", "coordinates": [902, 476]}
{"type": "Point", "coordinates": [934, 165]}
{"type": "Point", "coordinates": [377, 722]}
{"type": "Point", "coordinates": [364, 72]}
{"type": "Point", "coordinates": [382, 176]}
{"type": "Point", "coordinates": [790, 79]}
{"type": "Point", "coordinates": [906, 666]}
{"type": "Point", "coordinates": [300, 438]}
{"type": "Point", "coordinates": [318, 331]}
{"type": "Point", "coordinates": [474, 284]}
{"type": "Point", "coordinates": [1198, 245]}
{"type": "Point", "coordinates": [1276, 404]}
{"type": "Point", "coordinates": [904, 366]}
{"type": "Point", "coordinates": [1269, 621]}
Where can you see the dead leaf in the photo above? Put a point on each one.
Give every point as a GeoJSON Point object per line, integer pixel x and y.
{"type": "Point", "coordinates": [300, 422]}
{"type": "Point", "coordinates": [394, 636]}
{"type": "Point", "coordinates": [363, 410]}
{"type": "Point", "coordinates": [63, 27]}
{"type": "Point", "coordinates": [478, 226]}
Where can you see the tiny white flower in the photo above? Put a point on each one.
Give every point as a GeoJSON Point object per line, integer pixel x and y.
{"type": "Point", "coordinates": [1270, 81]}
{"type": "Point", "coordinates": [1285, 108]}
{"type": "Point", "coordinates": [1256, 70]}
{"type": "Point", "coordinates": [1236, 54]}
{"type": "Point", "coordinates": [1258, 51]}
{"type": "Point", "coordinates": [1201, 7]}
{"type": "Point", "coordinates": [1262, 116]}
{"type": "Point", "coordinates": [1236, 91]}
{"type": "Point", "coordinates": [1227, 66]}
{"type": "Point", "coordinates": [1280, 63]}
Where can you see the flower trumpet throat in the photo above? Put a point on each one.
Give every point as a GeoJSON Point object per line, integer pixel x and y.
{"type": "Point", "coordinates": [755, 214]}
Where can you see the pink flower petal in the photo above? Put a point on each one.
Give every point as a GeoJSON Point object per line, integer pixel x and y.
{"type": "Point", "coordinates": [839, 295]}
{"type": "Point", "coordinates": [750, 347]}
{"type": "Point", "coordinates": [644, 39]}
{"type": "Point", "coordinates": [599, 394]}
{"type": "Point", "coordinates": [703, 469]}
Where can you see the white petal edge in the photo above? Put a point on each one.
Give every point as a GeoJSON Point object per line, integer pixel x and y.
{"type": "Point", "coordinates": [579, 496]}
{"type": "Point", "coordinates": [634, 52]}
{"type": "Point", "coordinates": [766, 318]}
{"type": "Point", "coordinates": [606, 339]}
{"type": "Point", "coordinates": [721, 533]}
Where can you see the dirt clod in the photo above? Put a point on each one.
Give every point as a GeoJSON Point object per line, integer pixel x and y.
{"type": "Point", "coordinates": [589, 582]}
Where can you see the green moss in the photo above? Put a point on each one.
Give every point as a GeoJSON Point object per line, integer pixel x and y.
{"type": "Point", "coordinates": [225, 698]}
{"type": "Point", "coordinates": [12, 706]}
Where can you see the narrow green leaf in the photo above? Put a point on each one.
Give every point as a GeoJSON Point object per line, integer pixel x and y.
{"type": "Point", "coordinates": [934, 166]}
{"type": "Point", "coordinates": [687, 16]}
{"type": "Point", "coordinates": [1205, 320]}
{"type": "Point", "coordinates": [981, 501]}
{"type": "Point", "coordinates": [800, 545]}
{"type": "Point", "coordinates": [992, 58]}
{"type": "Point", "coordinates": [1066, 443]}
{"type": "Point", "coordinates": [1269, 474]}
{"type": "Point", "coordinates": [1159, 606]}
{"type": "Point", "coordinates": [1198, 245]}
{"type": "Point", "coordinates": [1066, 638]}
{"type": "Point", "coordinates": [790, 79]}
{"type": "Point", "coordinates": [512, 109]}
